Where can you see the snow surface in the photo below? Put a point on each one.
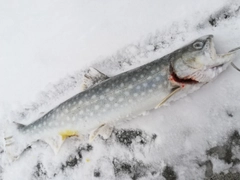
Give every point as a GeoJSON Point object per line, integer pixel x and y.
{"type": "Point", "coordinates": [45, 47]}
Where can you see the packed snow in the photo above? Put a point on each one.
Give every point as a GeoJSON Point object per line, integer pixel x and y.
{"type": "Point", "coordinates": [47, 46]}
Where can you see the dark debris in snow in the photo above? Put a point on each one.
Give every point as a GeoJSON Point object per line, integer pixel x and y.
{"type": "Point", "coordinates": [74, 160]}
{"type": "Point", "coordinates": [39, 172]}
{"type": "Point", "coordinates": [226, 154]}
{"type": "Point", "coordinates": [169, 173]}
{"type": "Point", "coordinates": [129, 136]}
{"type": "Point", "coordinates": [223, 14]}
{"type": "Point", "coordinates": [134, 169]}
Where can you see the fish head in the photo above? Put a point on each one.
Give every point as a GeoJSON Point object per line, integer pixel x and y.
{"type": "Point", "coordinates": [199, 62]}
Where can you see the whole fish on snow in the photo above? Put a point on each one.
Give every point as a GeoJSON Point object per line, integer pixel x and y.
{"type": "Point", "coordinates": [123, 96]}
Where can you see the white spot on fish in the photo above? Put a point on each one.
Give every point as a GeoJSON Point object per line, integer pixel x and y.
{"type": "Point", "coordinates": [143, 93]}
{"type": "Point", "coordinates": [160, 86]}
{"type": "Point", "coordinates": [149, 77]}
{"type": "Point", "coordinates": [126, 79]}
{"type": "Point", "coordinates": [68, 119]}
{"type": "Point", "coordinates": [111, 98]}
{"type": "Point", "coordinates": [138, 87]}
{"type": "Point", "coordinates": [66, 110]}
{"type": "Point", "coordinates": [34, 127]}
{"type": "Point", "coordinates": [152, 71]}
{"type": "Point", "coordinates": [107, 105]}
{"type": "Point", "coordinates": [130, 100]}
{"type": "Point", "coordinates": [56, 123]}
{"type": "Point", "coordinates": [121, 99]}
{"type": "Point", "coordinates": [94, 96]}
{"type": "Point", "coordinates": [153, 85]}
{"type": "Point", "coordinates": [130, 86]}
{"type": "Point", "coordinates": [44, 123]}
{"type": "Point", "coordinates": [50, 123]}
{"type": "Point", "coordinates": [134, 79]}
{"type": "Point", "coordinates": [40, 125]}
{"type": "Point", "coordinates": [165, 82]}
{"type": "Point", "coordinates": [157, 68]}
{"type": "Point", "coordinates": [150, 90]}
{"type": "Point", "coordinates": [126, 93]}
{"type": "Point", "coordinates": [135, 94]}
{"type": "Point", "coordinates": [157, 78]}
{"type": "Point", "coordinates": [142, 76]}
{"type": "Point", "coordinates": [62, 123]}
{"type": "Point", "coordinates": [74, 118]}
{"type": "Point", "coordinates": [116, 104]}
{"type": "Point", "coordinates": [121, 85]}
{"type": "Point", "coordinates": [80, 112]}
{"type": "Point", "coordinates": [80, 102]}
{"type": "Point", "coordinates": [96, 107]}
{"type": "Point", "coordinates": [91, 114]}
{"type": "Point", "coordinates": [107, 90]}
{"type": "Point", "coordinates": [101, 97]}
{"type": "Point", "coordinates": [145, 84]}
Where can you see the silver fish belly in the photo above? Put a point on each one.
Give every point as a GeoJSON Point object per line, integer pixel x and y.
{"type": "Point", "coordinates": [127, 95]}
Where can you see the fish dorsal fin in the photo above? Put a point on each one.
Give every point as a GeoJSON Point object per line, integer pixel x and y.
{"type": "Point", "coordinates": [104, 130]}
{"type": "Point", "coordinates": [93, 77]}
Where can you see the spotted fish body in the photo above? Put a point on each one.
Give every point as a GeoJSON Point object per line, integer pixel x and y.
{"type": "Point", "coordinates": [128, 94]}
{"type": "Point", "coordinates": [119, 97]}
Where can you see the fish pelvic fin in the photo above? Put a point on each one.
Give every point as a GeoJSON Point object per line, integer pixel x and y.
{"type": "Point", "coordinates": [56, 141]}
{"type": "Point", "coordinates": [93, 77]}
{"type": "Point", "coordinates": [103, 130]}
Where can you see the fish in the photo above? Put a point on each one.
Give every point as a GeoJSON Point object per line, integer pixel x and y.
{"type": "Point", "coordinates": [105, 101]}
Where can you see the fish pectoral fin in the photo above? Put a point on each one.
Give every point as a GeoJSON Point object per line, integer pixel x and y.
{"type": "Point", "coordinates": [174, 91]}
{"type": "Point", "coordinates": [104, 130]}
{"type": "Point", "coordinates": [92, 77]}
{"type": "Point", "coordinates": [55, 143]}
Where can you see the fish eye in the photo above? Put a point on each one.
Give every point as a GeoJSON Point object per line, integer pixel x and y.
{"type": "Point", "coordinates": [198, 45]}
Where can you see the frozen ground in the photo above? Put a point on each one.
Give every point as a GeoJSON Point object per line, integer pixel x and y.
{"type": "Point", "coordinates": [45, 47]}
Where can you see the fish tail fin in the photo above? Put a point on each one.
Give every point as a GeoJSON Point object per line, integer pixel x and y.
{"type": "Point", "coordinates": [13, 144]}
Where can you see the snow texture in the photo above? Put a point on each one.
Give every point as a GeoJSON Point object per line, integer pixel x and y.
{"type": "Point", "coordinates": [51, 44]}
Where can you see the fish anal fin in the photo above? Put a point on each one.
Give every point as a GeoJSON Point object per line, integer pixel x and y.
{"type": "Point", "coordinates": [92, 77]}
{"type": "Point", "coordinates": [55, 142]}
{"type": "Point", "coordinates": [104, 130]}
{"type": "Point", "coordinates": [174, 91]}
